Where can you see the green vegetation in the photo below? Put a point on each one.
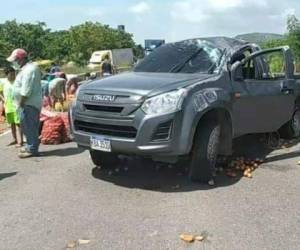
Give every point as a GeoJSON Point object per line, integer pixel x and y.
{"type": "Point", "coordinates": [291, 38]}
{"type": "Point", "coordinates": [75, 44]}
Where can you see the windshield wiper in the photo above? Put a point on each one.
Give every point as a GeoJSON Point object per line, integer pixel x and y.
{"type": "Point", "coordinates": [179, 66]}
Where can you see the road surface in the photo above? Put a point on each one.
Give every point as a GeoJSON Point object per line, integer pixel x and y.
{"type": "Point", "coordinates": [60, 197]}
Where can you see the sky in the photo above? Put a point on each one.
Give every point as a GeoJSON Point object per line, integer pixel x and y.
{"type": "Point", "coordinates": [159, 19]}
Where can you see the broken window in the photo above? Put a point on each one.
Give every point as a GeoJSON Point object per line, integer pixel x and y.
{"type": "Point", "coordinates": [192, 56]}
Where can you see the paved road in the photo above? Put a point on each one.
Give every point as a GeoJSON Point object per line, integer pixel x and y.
{"type": "Point", "coordinates": [51, 200]}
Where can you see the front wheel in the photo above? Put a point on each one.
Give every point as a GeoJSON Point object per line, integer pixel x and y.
{"type": "Point", "coordinates": [292, 128]}
{"type": "Point", "coordinates": [103, 159]}
{"type": "Point", "coordinates": [205, 151]}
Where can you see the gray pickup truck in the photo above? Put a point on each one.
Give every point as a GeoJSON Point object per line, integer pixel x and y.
{"type": "Point", "coordinates": [189, 99]}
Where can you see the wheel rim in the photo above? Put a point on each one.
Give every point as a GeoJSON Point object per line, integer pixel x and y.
{"type": "Point", "coordinates": [296, 122]}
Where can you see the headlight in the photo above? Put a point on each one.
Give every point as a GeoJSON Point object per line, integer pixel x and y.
{"type": "Point", "coordinates": [166, 103]}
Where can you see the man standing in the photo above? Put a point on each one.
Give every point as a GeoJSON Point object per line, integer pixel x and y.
{"type": "Point", "coordinates": [28, 96]}
{"type": "Point", "coordinates": [106, 67]}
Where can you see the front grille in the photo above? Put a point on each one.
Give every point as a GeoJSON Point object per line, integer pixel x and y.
{"type": "Point", "coordinates": [163, 131]}
{"type": "Point", "coordinates": [103, 129]}
{"type": "Point", "coordinates": [111, 109]}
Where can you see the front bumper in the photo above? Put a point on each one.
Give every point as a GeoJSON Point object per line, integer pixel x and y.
{"type": "Point", "coordinates": [143, 143]}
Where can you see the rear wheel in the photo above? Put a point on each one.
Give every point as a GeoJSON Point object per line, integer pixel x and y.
{"type": "Point", "coordinates": [292, 128]}
{"type": "Point", "coordinates": [103, 159]}
{"type": "Point", "coordinates": [205, 151]}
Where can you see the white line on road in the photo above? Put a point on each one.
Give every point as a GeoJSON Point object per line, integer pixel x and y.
{"type": "Point", "coordinates": [5, 133]}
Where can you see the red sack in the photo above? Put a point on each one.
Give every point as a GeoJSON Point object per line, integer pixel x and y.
{"type": "Point", "coordinates": [56, 127]}
{"type": "Point", "coordinates": [52, 132]}
{"type": "Point", "coordinates": [66, 132]}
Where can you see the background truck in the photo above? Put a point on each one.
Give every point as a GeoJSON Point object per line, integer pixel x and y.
{"type": "Point", "coordinates": [121, 59]}
{"type": "Point", "coordinates": [189, 99]}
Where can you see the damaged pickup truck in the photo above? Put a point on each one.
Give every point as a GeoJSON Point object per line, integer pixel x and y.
{"type": "Point", "coordinates": [189, 99]}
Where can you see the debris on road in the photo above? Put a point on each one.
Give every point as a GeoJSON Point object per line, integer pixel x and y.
{"type": "Point", "coordinates": [71, 244]}
{"type": "Point", "coordinates": [83, 241]}
{"type": "Point", "coordinates": [243, 167]}
{"type": "Point", "coordinates": [176, 187]}
{"type": "Point", "coordinates": [199, 238]}
{"type": "Point", "coordinates": [211, 182]}
{"type": "Point", "coordinates": [190, 238]}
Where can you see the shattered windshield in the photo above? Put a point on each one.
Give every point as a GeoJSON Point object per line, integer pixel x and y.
{"type": "Point", "coordinates": [192, 56]}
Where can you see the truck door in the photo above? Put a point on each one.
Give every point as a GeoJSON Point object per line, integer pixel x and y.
{"type": "Point", "coordinates": [263, 92]}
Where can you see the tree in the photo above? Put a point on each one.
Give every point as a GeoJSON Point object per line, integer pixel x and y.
{"type": "Point", "coordinates": [89, 37]}
{"type": "Point", "coordinates": [5, 49]}
{"type": "Point", "coordinates": [76, 44]}
{"type": "Point", "coordinates": [31, 37]}
{"type": "Point", "coordinates": [57, 46]}
{"type": "Point", "coordinates": [293, 26]}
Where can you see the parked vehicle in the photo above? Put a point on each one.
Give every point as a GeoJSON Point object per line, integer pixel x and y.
{"type": "Point", "coordinates": [189, 99]}
{"type": "Point", "coordinates": [120, 58]}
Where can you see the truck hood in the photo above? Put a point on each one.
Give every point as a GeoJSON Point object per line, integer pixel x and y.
{"type": "Point", "coordinates": [144, 84]}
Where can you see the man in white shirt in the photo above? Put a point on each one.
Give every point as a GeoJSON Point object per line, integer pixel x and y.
{"type": "Point", "coordinates": [28, 97]}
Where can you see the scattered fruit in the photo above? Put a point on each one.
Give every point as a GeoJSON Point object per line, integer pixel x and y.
{"type": "Point", "coordinates": [249, 175]}
{"type": "Point", "coordinates": [211, 182]}
{"type": "Point", "coordinates": [83, 241]}
{"type": "Point", "coordinates": [71, 244]}
{"type": "Point", "coordinates": [176, 186]}
{"type": "Point", "coordinates": [246, 172]}
{"type": "Point", "coordinates": [199, 238]}
{"type": "Point", "coordinates": [187, 238]}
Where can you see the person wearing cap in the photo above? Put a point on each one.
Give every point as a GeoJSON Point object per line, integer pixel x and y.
{"type": "Point", "coordinates": [28, 98]}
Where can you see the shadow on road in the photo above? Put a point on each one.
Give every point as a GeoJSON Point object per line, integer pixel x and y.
{"type": "Point", "coordinates": [62, 152]}
{"type": "Point", "coordinates": [145, 174]}
{"type": "Point", "coordinates": [148, 175]}
{"type": "Point", "coordinates": [7, 175]}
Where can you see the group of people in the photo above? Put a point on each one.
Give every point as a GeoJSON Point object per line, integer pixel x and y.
{"type": "Point", "coordinates": [25, 91]}
{"type": "Point", "coordinates": [22, 95]}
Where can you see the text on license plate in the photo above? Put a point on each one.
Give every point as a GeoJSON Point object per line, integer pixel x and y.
{"type": "Point", "coordinates": [99, 143]}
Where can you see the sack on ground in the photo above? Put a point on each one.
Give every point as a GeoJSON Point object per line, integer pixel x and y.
{"type": "Point", "coordinates": [52, 131]}
{"type": "Point", "coordinates": [56, 127]}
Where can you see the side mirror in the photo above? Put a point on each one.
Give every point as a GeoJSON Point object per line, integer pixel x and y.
{"type": "Point", "coordinates": [237, 71]}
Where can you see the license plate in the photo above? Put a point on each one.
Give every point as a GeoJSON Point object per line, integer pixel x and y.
{"type": "Point", "coordinates": [100, 143]}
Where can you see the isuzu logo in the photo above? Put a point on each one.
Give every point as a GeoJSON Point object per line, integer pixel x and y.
{"type": "Point", "coordinates": [103, 98]}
